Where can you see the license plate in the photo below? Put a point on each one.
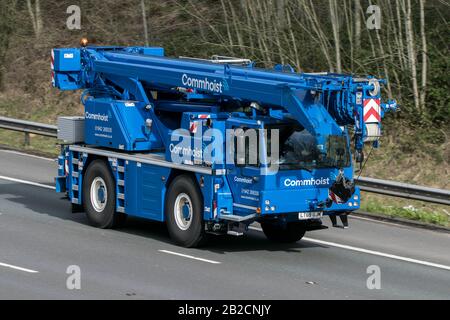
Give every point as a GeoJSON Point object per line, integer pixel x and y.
{"type": "Point", "coordinates": [309, 215]}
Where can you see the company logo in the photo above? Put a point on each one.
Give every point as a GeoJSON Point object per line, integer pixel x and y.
{"type": "Point", "coordinates": [204, 84]}
{"type": "Point", "coordinates": [97, 116]}
{"type": "Point", "coordinates": [306, 182]}
{"type": "Point", "coordinates": [186, 151]}
{"type": "Point", "coordinates": [243, 180]}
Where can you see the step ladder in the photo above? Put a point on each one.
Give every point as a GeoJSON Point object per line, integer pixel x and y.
{"type": "Point", "coordinates": [76, 178]}
{"type": "Point", "coordinates": [120, 185]}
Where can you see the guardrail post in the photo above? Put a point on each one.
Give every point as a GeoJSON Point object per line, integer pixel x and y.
{"type": "Point", "coordinates": [26, 140]}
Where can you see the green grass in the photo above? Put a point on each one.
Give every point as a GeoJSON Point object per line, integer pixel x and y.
{"type": "Point", "coordinates": [407, 209]}
{"type": "Point", "coordinates": [39, 145]}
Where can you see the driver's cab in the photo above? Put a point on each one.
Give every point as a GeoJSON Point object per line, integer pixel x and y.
{"type": "Point", "coordinates": [282, 170]}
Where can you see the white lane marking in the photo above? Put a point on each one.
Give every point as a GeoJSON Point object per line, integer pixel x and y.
{"type": "Point", "coordinates": [31, 183]}
{"type": "Point", "coordinates": [382, 222]}
{"type": "Point", "coordinates": [375, 220]}
{"type": "Point", "coordinates": [27, 155]}
{"type": "Point", "coordinates": [372, 252]}
{"type": "Point", "coordinates": [189, 257]}
{"type": "Point", "coordinates": [17, 268]}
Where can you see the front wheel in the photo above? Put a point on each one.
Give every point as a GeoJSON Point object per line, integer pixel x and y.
{"type": "Point", "coordinates": [290, 233]}
{"type": "Point", "coordinates": [183, 212]}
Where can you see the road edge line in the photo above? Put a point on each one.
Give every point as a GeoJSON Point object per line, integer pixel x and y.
{"type": "Point", "coordinates": [6, 265]}
{"type": "Point", "coordinates": [399, 221]}
{"type": "Point", "coordinates": [31, 183]}
{"type": "Point", "coordinates": [371, 252]}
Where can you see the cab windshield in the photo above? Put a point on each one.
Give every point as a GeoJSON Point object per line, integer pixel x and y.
{"type": "Point", "coordinates": [298, 150]}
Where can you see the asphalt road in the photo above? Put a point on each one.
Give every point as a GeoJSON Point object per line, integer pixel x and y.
{"type": "Point", "coordinates": [40, 238]}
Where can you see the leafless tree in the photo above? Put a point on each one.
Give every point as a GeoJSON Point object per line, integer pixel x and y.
{"type": "Point", "coordinates": [144, 22]}
{"type": "Point", "coordinates": [423, 90]}
{"type": "Point", "coordinates": [7, 15]}
{"type": "Point", "coordinates": [357, 14]}
{"type": "Point", "coordinates": [407, 10]}
{"type": "Point", "coordinates": [335, 26]}
{"type": "Point", "coordinates": [35, 16]}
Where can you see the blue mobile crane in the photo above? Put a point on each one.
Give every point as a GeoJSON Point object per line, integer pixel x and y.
{"type": "Point", "coordinates": [211, 146]}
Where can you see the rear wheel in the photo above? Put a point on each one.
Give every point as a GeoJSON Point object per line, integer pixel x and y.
{"type": "Point", "coordinates": [100, 196]}
{"type": "Point", "coordinates": [291, 232]}
{"type": "Point", "coordinates": [183, 212]}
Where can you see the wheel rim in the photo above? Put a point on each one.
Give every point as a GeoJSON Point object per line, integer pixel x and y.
{"type": "Point", "coordinates": [99, 194]}
{"type": "Point", "coordinates": [183, 211]}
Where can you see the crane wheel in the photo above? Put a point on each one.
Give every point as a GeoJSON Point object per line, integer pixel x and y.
{"type": "Point", "coordinates": [184, 212]}
{"type": "Point", "coordinates": [99, 194]}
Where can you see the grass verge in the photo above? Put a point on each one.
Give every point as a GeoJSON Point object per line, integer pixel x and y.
{"type": "Point", "coordinates": [40, 145]}
{"type": "Point", "coordinates": [407, 209]}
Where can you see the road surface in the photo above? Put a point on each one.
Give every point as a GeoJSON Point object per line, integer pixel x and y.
{"type": "Point", "coordinates": [40, 238]}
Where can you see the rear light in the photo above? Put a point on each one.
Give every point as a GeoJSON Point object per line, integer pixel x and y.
{"type": "Point", "coordinates": [214, 207]}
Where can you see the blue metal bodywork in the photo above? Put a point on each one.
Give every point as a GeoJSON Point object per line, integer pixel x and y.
{"type": "Point", "coordinates": [136, 101]}
{"type": "Point", "coordinates": [145, 191]}
{"type": "Point", "coordinates": [119, 125]}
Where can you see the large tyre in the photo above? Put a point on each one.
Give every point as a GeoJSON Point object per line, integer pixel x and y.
{"type": "Point", "coordinates": [184, 212]}
{"type": "Point", "coordinates": [290, 233]}
{"type": "Point", "coordinates": [99, 194]}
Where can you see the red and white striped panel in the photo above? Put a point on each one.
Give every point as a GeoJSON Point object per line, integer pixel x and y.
{"type": "Point", "coordinates": [52, 65]}
{"type": "Point", "coordinates": [372, 111]}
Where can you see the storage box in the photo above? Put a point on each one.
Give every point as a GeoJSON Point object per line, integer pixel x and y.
{"type": "Point", "coordinates": [66, 60]}
{"type": "Point", "coordinates": [71, 129]}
